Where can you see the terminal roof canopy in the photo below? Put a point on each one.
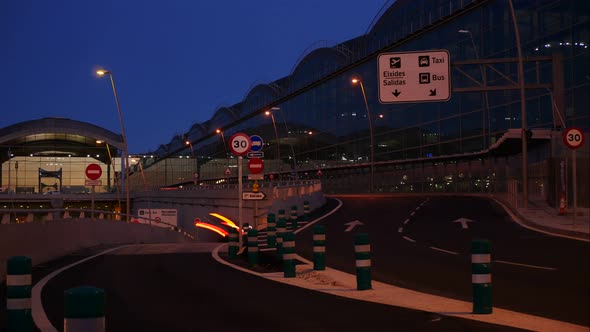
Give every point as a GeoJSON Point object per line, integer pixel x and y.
{"type": "Point", "coordinates": [58, 137]}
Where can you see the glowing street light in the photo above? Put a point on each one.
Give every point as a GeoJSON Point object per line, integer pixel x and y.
{"type": "Point", "coordinates": [372, 147]}
{"type": "Point", "coordinates": [103, 72]}
{"type": "Point", "coordinates": [274, 124]}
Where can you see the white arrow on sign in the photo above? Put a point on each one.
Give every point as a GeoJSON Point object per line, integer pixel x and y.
{"type": "Point", "coordinates": [463, 222]}
{"type": "Point", "coordinates": [352, 225]}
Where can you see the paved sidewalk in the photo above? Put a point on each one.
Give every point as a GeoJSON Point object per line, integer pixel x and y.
{"type": "Point", "coordinates": [543, 218]}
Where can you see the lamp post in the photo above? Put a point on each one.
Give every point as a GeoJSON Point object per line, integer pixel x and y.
{"type": "Point", "coordinates": [196, 172]}
{"type": "Point", "coordinates": [486, 113]}
{"type": "Point", "coordinates": [274, 124]}
{"type": "Point", "coordinates": [222, 140]}
{"type": "Point", "coordinates": [372, 147]}
{"type": "Point", "coordinates": [523, 122]}
{"type": "Point", "coordinates": [287, 131]}
{"type": "Point", "coordinates": [125, 147]}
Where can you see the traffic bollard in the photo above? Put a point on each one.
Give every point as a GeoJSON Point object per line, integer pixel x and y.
{"type": "Point", "coordinates": [84, 309]}
{"type": "Point", "coordinates": [305, 210]}
{"type": "Point", "coordinates": [281, 214]}
{"type": "Point", "coordinates": [319, 247]}
{"type": "Point", "coordinates": [252, 247]}
{"type": "Point", "coordinates": [271, 235]}
{"type": "Point", "coordinates": [233, 246]}
{"type": "Point", "coordinates": [281, 230]}
{"type": "Point", "coordinates": [294, 217]}
{"type": "Point", "coordinates": [362, 252]}
{"type": "Point", "coordinates": [481, 276]}
{"type": "Point", "coordinates": [18, 294]}
{"type": "Point", "coordinates": [289, 255]}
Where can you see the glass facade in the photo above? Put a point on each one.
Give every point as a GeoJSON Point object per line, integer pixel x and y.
{"type": "Point", "coordinates": [319, 121]}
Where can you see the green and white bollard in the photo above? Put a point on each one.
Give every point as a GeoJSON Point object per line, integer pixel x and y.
{"type": "Point", "coordinates": [481, 276]}
{"type": "Point", "coordinates": [319, 247]}
{"type": "Point", "coordinates": [281, 230]}
{"type": "Point", "coordinates": [289, 255]}
{"type": "Point", "coordinates": [305, 210]}
{"type": "Point", "coordinates": [84, 309]}
{"type": "Point", "coordinates": [233, 246]}
{"type": "Point", "coordinates": [281, 214]}
{"type": "Point", "coordinates": [252, 247]}
{"type": "Point", "coordinates": [271, 235]}
{"type": "Point", "coordinates": [362, 253]}
{"type": "Point", "coordinates": [293, 217]}
{"type": "Point", "coordinates": [18, 294]}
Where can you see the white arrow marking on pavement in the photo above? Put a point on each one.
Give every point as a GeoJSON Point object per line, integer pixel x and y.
{"type": "Point", "coordinates": [352, 225]}
{"type": "Point", "coordinates": [463, 222]}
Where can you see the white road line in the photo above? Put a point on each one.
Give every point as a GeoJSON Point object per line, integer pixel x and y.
{"type": "Point", "coordinates": [409, 239]}
{"type": "Point", "coordinates": [413, 213]}
{"type": "Point", "coordinates": [39, 316]}
{"type": "Point", "coordinates": [400, 230]}
{"type": "Point", "coordinates": [406, 221]}
{"type": "Point", "coordinates": [528, 265]}
{"type": "Point", "coordinates": [447, 251]}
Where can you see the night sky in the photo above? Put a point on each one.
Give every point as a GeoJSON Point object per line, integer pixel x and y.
{"type": "Point", "coordinates": [174, 62]}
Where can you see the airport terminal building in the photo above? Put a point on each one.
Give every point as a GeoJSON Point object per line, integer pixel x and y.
{"type": "Point", "coordinates": [316, 122]}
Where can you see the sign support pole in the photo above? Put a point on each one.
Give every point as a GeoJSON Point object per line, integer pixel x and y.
{"type": "Point", "coordinates": [240, 222]}
{"type": "Point", "coordinates": [92, 203]}
{"type": "Point", "coordinates": [574, 185]}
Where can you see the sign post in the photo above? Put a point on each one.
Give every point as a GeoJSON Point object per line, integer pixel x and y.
{"type": "Point", "coordinates": [239, 145]}
{"type": "Point", "coordinates": [93, 172]}
{"type": "Point", "coordinates": [574, 138]}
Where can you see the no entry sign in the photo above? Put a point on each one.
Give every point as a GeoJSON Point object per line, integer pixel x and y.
{"type": "Point", "coordinates": [93, 171]}
{"type": "Point", "coordinates": [255, 165]}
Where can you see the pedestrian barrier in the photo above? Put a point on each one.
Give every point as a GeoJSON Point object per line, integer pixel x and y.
{"type": "Point", "coordinates": [281, 230]}
{"type": "Point", "coordinates": [233, 246]}
{"type": "Point", "coordinates": [319, 247]}
{"type": "Point", "coordinates": [305, 210]}
{"type": "Point", "coordinates": [289, 259]}
{"type": "Point", "coordinates": [18, 294]}
{"type": "Point", "coordinates": [362, 252]}
{"type": "Point", "coordinates": [252, 247]}
{"type": "Point", "coordinates": [481, 277]}
{"type": "Point", "coordinates": [84, 309]}
{"type": "Point", "coordinates": [271, 235]}
{"type": "Point", "coordinates": [294, 217]}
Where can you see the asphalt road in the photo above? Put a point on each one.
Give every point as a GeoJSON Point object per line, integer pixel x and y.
{"type": "Point", "coordinates": [416, 244]}
{"type": "Point", "coordinates": [147, 291]}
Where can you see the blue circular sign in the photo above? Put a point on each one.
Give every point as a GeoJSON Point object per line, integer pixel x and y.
{"type": "Point", "coordinates": [257, 143]}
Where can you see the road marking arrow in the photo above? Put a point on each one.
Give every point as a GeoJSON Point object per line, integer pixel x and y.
{"type": "Point", "coordinates": [352, 225]}
{"type": "Point", "coordinates": [463, 222]}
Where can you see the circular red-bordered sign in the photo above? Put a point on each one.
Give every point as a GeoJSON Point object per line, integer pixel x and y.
{"type": "Point", "coordinates": [573, 137]}
{"type": "Point", "coordinates": [240, 144]}
{"type": "Point", "coordinates": [93, 171]}
{"type": "Point", "coordinates": [255, 165]}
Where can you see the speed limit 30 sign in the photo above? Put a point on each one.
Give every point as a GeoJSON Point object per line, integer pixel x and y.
{"type": "Point", "coordinates": [573, 137]}
{"type": "Point", "coordinates": [240, 144]}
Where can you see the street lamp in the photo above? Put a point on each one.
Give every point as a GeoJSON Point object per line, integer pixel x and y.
{"type": "Point", "coordinates": [485, 94]}
{"type": "Point", "coordinates": [372, 147]}
{"type": "Point", "coordinates": [195, 174]}
{"type": "Point", "coordinates": [287, 131]}
{"type": "Point", "coordinates": [523, 123]}
{"type": "Point", "coordinates": [127, 207]}
{"type": "Point", "coordinates": [274, 124]}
